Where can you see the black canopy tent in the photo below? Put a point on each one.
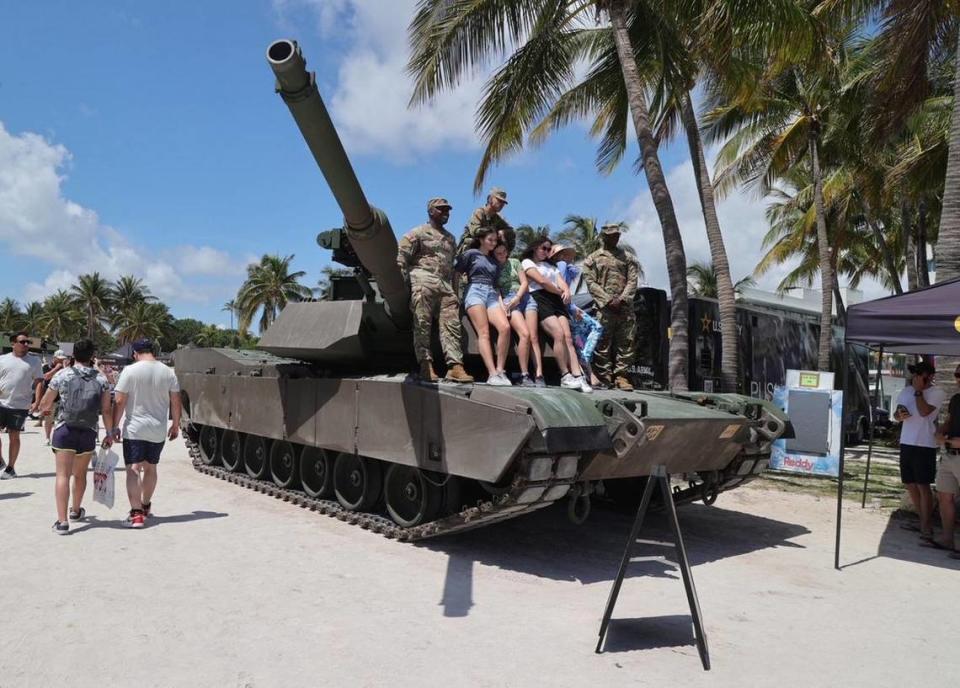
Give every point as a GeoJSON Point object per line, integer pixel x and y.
{"type": "Point", "coordinates": [925, 321]}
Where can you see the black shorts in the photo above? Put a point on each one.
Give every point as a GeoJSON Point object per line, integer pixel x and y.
{"type": "Point", "coordinates": [74, 439]}
{"type": "Point", "coordinates": [549, 305]}
{"type": "Point", "coordinates": [918, 465]}
{"type": "Point", "coordinates": [12, 419]}
{"type": "Point", "coordinates": [140, 451]}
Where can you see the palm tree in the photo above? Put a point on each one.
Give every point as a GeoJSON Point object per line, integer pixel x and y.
{"type": "Point", "coordinates": [128, 291]}
{"type": "Point", "coordinates": [451, 39]}
{"type": "Point", "coordinates": [268, 288]}
{"type": "Point", "coordinates": [61, 319]}
{"type": "Point", "coordinates": [231, 308]}
{"type": "Point", "coordinates": [704, 280]}
{"type": "Point", "coordinates": [526, 234]}
{"type": "Point", "coordinates": [93, 295]}
{"type": "Point", "coordinates": [11, 318]}
{"type": "Point", "coordinates": [769, 131]}
{"type": "Point", "coordinates": [581, 234]}
{"type": "Point", "coordinates": [33, 317]}
{"type": "Point", "coordinates": [143, 320]}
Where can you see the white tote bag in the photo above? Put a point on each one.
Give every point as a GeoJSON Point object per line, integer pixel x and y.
{"type": "Point", "coordinates": [103, 465]}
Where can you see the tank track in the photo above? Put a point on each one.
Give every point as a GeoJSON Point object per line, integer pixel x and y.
{"type": "Point", "coordinates": [522, 497]}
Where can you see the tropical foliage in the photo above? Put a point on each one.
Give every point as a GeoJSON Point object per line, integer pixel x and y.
{"type": "Point", "coordinates": [268, 288]}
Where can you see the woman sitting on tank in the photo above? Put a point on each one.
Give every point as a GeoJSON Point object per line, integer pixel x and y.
{"type": "Point", "coordinates": [483, 303]}
{"type": "Point", "coordinates": [513, 287]}
{"type": "Point", "coordinates": [551, 294]}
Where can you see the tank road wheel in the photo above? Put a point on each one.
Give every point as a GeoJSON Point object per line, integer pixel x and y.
{"type": "Point", "coordinates": [209, 442]}
{"type": "Point", "coordinates": [356, 481]}
{"type": "Point", "coordinates": [256, 459]}
{"type": "Point", "coordinates": [411, 497]}
{"type": "Point", "coordinates": [283, 464]}
{"type": "Point", "coordinates": [231, 445]}
{"type": "Point", "coordinates": [316, 472]}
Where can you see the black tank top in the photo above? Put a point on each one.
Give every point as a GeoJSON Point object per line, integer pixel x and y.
{"type": "Point", "coordinates": [954, 411]}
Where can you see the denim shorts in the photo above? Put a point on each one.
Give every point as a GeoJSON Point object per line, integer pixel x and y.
{"type": "Point", "coordinates": [481, 295]}
{"type": "Point", "coordinates": [526, 305]}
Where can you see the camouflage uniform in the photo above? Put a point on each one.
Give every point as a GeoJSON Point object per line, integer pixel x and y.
{"type": "Point", "coordinates": [481, 219]}
{"type": "Point", "coordinates": [426, 261]}
{"type": "Point", "coordinates": [610, 273]}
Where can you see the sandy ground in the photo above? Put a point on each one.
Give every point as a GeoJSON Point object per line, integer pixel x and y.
{"type": "Point", "coordinates": [233, 588]}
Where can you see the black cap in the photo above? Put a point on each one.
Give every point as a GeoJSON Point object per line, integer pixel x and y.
{"type": "Point", "coordinates": [142, 345]}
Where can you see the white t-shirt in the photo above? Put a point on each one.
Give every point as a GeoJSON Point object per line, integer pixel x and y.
{"type": "Point", "coordinates": [548, 270]}
{"type": "Point", "coordinates": [917, 430]}
{"type": "Point", "coordinates": [147, 385]}
{"type": "Point", "coordinates": [17, 377]}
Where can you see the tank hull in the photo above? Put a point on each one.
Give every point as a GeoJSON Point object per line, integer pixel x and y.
{"type": "Point", "coordinates": [516, 439]}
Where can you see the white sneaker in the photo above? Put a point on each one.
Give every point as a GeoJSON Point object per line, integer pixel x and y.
{"type": "Point", "coordinates": [499, 380]}
{"type": "Point", "coordinates": [584, 385]}
{"type": "Point", "coordinates": [568, 381]}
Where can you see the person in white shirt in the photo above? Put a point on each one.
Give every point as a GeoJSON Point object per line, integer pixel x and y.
{"type": "Point", "coordinates": [147, 394]}
{"type": "Point", "coordinates": [917, 406]}
{"type": "Point", "coordinates": [20, 371]}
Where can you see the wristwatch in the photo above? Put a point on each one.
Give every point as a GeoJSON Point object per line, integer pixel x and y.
{"type": "Point", "coordinates": [918, 393]}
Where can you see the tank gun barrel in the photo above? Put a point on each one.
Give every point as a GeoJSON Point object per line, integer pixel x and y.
{"type": "Point", "coordinates": [367, 227]}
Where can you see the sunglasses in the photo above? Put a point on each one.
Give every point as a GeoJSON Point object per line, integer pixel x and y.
{"type": "Point", "coordinates": [22, 341]}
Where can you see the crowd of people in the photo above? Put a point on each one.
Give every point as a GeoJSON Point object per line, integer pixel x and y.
{"type": "Point", "coordinates": [918, 406]}
{"type": "Point", "coordinates": [521, 297]}
{"type": "Point", "coordinates": [75, 397]}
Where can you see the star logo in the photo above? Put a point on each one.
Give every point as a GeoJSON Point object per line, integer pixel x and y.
{"type": "Point", "coordinates": [956, 324]}
{"type": "Point", "coordinates": [705, 323]}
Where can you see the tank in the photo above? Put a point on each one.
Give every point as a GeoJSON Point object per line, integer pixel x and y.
{"type": "Point", "coordinates": [326, 415]}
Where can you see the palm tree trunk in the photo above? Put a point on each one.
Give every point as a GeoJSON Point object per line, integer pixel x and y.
{"type": "Point", "coordinates": [923, 266]}
{"type": "Point", "coordinates": [948, 241]}
{"type": "Point", "coordinates": [885, 251]}
{"type": "Point", "coordinates": [826, 264]}
{"type": "Point", "coordinates": [838, 299]}
{"type": "Point", "coordinates": [906, 223]}
{"type": "Point", "coordinates": [672, 241]}
{"type": "Point", "coordinates": [726, 295]}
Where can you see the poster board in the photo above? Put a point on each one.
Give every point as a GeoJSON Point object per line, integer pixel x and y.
{"type": "Point", "coordinates": [817, 423]}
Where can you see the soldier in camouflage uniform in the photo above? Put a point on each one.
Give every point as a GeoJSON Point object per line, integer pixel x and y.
{"type": "Point", "coordinates": [611, 276]}
{"type": "Point", "coordinates": [426, 262]}
{"type": "Point", "coordinates": [485, 216]}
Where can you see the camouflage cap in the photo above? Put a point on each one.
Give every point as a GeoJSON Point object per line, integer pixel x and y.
{"type": "Point", "coordinates": [438, 203]}
{"type": "Point", "coordinates": [499, 193]}
{"type": "Point", "coordinates": [612, 228]}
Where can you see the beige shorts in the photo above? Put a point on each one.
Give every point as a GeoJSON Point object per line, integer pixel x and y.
{"type": "Point", "coordinates": [948, 474]}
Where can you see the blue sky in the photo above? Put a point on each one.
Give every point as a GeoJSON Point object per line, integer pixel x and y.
{"type": "Point", "coordinates": [146, 138]}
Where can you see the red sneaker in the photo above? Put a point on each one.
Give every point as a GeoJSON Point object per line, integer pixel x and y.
{"type": "Point", "coordinates": [135, 519]}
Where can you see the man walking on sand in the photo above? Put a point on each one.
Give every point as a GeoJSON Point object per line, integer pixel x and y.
{"type": "Point", "coordinates": [147, 395]}
{"type": "Point", "coordinates": [19, 395]}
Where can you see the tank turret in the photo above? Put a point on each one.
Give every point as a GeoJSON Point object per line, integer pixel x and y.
{"type": "Point", "coordinates": [367, 227]}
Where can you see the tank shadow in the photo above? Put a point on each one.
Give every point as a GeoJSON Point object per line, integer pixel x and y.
{"type": "Point", "coordinates": [14, 495]}
{"type": "Point", "coordinates": [897, 543]}
{"type": "Point", "coordinates": [648, 633]}
{"type": "Point", "coordinates": [545, 544]}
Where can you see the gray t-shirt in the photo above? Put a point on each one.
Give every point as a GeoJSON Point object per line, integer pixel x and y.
{"type": "Point", "coordinates": [17, 377]}
{"type": "Point", "coordinates": [63, 378]}
{"type": "Point", "coordinates": [148, 385]}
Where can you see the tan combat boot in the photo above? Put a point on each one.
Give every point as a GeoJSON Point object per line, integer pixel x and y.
{"type": "Point", "coordinates": [426, 372]}
{"type": "Point", "coordinates": [456, 373]}
{"type": "Point", "coordinates": [623, 384]}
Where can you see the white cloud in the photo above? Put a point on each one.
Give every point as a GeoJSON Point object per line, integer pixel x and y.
{"type": "Point", "coordinates": [370, 100]}
{"type": "Point", "coordinates": [39, 222]}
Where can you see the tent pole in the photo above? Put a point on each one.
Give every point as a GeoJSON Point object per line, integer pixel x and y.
{"type": "Point", "coordinates": [845, 369]}
{"type": "Point", "coordinates": [873, 425]}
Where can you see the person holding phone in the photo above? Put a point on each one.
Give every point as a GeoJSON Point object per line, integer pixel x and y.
{"type": "Point", "coordinates": [917, 406]}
